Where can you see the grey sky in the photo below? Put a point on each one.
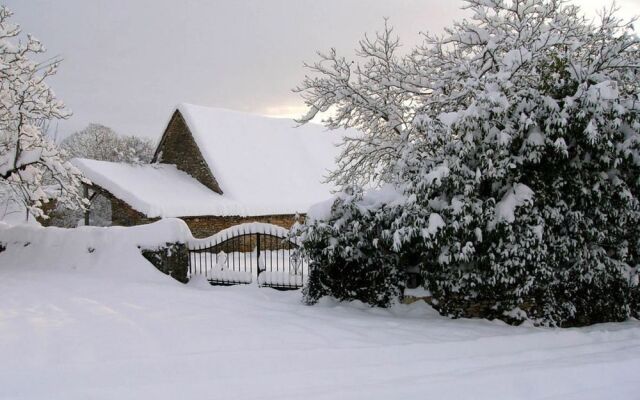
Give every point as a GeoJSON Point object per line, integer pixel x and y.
{"type": "Point", "coordinates": [127, 63]}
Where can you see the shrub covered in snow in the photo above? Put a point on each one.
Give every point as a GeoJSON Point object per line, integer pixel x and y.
{"type": "Point", "coordinates": [515, 141]}
{"type": "Point", "coordinates": [350, 254]}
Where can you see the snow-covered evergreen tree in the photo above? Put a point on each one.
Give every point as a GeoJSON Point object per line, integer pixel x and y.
{"type": "Point", "coordinates": [32, 169]}
{"type": "Point", "coordinates": [515, 140]}
{"type": "Point", "coordinates": [349, 255]}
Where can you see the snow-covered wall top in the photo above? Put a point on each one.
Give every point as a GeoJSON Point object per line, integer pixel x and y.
{"type": "Point", "coordinates": [149, 236]}
{"type": "Point", "coordinates": [110, 253]}
{"type": "Point", "coordinates": [243, 229]}
{"type": "Point", "coordinates": [268, 165]}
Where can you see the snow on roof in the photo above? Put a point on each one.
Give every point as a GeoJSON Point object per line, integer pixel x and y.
{"type": "Point", "coordinates": [157, 190]}
{"type": "Point", "coordinates": [263, 165]}
{"type": "Point", "coordinates": [263, 162]}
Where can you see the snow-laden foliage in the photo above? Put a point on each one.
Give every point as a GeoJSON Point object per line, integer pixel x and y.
{"type": "Point", "coordinates": [32, 169]}
{"type": "Point", "coordinates": [100, 142]}
{"type": "Point", "coordinates": [349, 256]}
{"type": "Point", "coordinates": [515, 140]}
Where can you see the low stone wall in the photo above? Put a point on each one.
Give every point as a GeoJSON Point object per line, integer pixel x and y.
{"type": "Point", "coordinates": [470, 309]}
{"type": "Point", "coordinates": [171, 259]}
{"type": "Point", "coordinates": [206, 226]}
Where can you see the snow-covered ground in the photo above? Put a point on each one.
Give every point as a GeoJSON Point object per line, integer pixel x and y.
{"type": "Point", "coordinates": [104, 324]}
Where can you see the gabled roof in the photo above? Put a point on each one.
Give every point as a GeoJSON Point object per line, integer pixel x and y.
{"type": "Point", "coordinates": [264, 161]}
{"type": "Point", "coordinates": [157, 190]}
{"type": "Point", "coordinates": [264, 166]}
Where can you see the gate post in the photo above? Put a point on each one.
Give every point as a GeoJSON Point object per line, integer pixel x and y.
{"type": "Point", "coordinates": [258, 251]}
{"type": "Point", "coordinates": [85, 193]}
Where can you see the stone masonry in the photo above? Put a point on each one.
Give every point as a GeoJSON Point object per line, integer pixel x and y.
{"type": "Point", "coordinates": [208, 225]}
{"type": "Point", "coordinates": [178, 147]}
{"type": "Point", "coordinates": [202, 226]}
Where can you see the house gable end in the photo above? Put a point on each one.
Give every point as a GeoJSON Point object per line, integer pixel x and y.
{"type": "Point", "coordinates": [178, 147]}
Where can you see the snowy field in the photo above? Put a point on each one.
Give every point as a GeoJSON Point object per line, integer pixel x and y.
{"type": "Point", "coordinates": [104, 324]}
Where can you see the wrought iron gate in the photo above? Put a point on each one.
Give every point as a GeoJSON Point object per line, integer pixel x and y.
{"type": "Point", "coordinates": [248, 253]}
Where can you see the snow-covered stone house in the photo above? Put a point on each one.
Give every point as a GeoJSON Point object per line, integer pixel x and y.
{"type": "Point", "coordinates": [217, 168]}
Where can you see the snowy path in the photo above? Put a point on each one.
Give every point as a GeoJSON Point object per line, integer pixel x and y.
{"type": "Point", "coordinates": [68, 336]}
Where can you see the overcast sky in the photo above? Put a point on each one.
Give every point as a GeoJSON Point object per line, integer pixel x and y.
{"type": "Point", "coordinates": [127, 63]}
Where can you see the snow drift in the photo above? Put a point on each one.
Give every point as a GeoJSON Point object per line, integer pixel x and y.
{"type": "Point", "coordinates": [83, 315]}
{"type": "Point", "coordinates": [107, 252]}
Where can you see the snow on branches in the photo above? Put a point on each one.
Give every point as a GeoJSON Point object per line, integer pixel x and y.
{"type": "Point", "coordinates": [99, 142]}
{"type": "Point", "coordinates": [32, 169]}
{"type": "Point", "coordinates": [533, 112]}
{"type": "Point", "coordinates": [362, 96]}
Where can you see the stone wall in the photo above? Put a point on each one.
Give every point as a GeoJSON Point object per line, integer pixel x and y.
{"type": "Point", "coordinates": [123, 215]}
{"type": "Point", "coordinates": [208, 225]}
{"type": "Point", "coordinates": [171, 259]}
{"type": "Point", "coordinates": [178, 147]}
